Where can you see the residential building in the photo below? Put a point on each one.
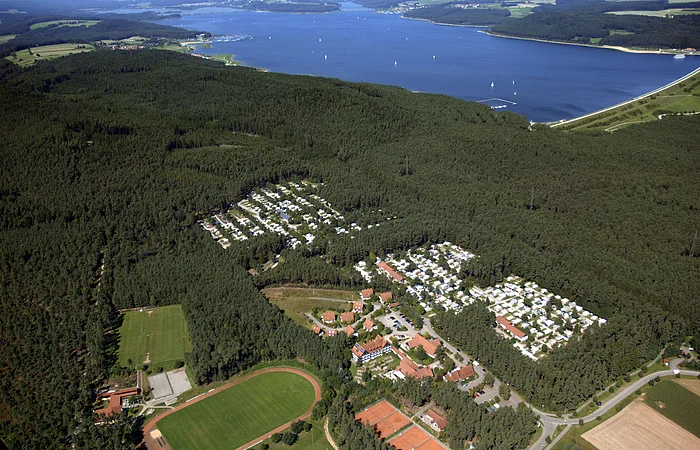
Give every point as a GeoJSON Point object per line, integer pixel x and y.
{"type": "Point", "coordinates": [368, 325]}
{"type": "Point", "coordinates": [460, 374]}
{"type": "Point", "coordinates": [350, 331]}
{"type": "Point", "coordinates": [365, 294]}
{"type": "Point", "coordinates": [390, 271]}
{"type": "Point", "coordinates": [435, 420]}
{"type": "Point", "coordinates": [328, 317]}
{"type": "Point", "coordinates": [430, 347]}
{"type": "Point", "coordinates": [410, 369]}
{"type": "Point", "coordinates": [316, 329]}
{"type": "Point", "coordinates": [358, 307]}
{"type": "Point", "coordinates": [347, 317]}
{"type": "Point", "coordinates": [331, 332]}
{"type": "Point", "coordinates": [385, 297]}
{"type": "Point", "coordinates": [512, 329]}
{"type": "Point", "coordinates": [372, 349]}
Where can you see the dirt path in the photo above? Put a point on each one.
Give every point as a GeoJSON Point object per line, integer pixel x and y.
{"type": "Point", "coordinates": [317, 396]}
{"type": "Point", "coordinates": [329, 438]}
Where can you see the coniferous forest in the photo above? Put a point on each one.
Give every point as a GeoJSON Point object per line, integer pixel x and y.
{"type": "Point", "coordinates": [110, 158]}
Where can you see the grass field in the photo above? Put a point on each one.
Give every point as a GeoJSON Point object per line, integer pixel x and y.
{"type": "Point", "coordinates": [679, 98]}
{"type": "Point", "coordinates": [296, 302]}
{"type": "Point", "coordinates": [676, 403]}
{"type": "Point", "coordinates": [24, 58]}
{"type": "Point", "coordinates": [240, 413]}
{"type": "Point", "coordinates": [64, 23]}
{"type": "Point", "coordinates": [6, 38]}
{"type": "Point", "coordinates": [659, 13]}
{"type": "Point", "coordinates": [160, 336]}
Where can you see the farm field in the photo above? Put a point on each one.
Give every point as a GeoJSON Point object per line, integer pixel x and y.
{"type": "Point", "coordinates": [660, 13]}
{"type": "Point", "coordinates": [158, 336]}
{"type": "Point", "coordinates": [640, 427]}
{"type": "Point", "coordinates": [64, 23]}
{"type": "Point", "coordinates": [25, 58]}
{"type": "Point", "coordinates": [296, 302]}
{"type": "Point", "coordinates": [679, 98]}
{"type": "Point", "coordinates": [239, 414]}
{"type": "Point", "coordinates": [677, 403]}
{"type": "Point", "coordinates": [7, 38]}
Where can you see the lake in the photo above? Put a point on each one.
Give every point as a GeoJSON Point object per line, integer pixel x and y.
{"type": "Point", "coordinates": [545, 82]}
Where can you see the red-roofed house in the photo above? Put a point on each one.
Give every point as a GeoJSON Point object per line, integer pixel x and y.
{"type": "Point", "coordinates": [385, 297]}
{"type": "Point", "coordinates": [331, 332]}
{"type": "Point", "coordinates": [512, 329]}
{"type": "Point", "coordinates": [316, 329]}
{"type": "Point", "coordinates": [358, 307]}
{"type": "Point", "coordinates": [347, 317]}
{"type": "Point", "coordinates": [430, 347]}
{"type": "Point", "coordinates": [350, 331]}
{"type": "Point", "coordinates": [368, 325]}
{"type": "Point", "coordinates": [390, 271]}
{"type": "Point", "coordinates": [365, 294]}
{"type": "Point", "coordinates": [435, 420]}
{"type": "Point", "coordinates": [370, 350]}
{"type": "Point", "coordinates": [459, 374]}
{"type": "Point", "coordinates": [410, 369]}
{"type": "Point", "coordinates": [328, 317]}
{"type": "Point", "coordinates": [115, 401]}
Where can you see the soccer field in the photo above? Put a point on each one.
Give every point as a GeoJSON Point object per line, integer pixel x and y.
{"type": "Point", "coordinates": [239, 414]}
{"type": "Point", "coordinates": [159, 335]}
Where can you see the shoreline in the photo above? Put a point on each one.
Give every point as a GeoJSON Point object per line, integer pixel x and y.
{"type": "Point", "coordinates": [446, 24]}
{"type": "Point", "coordinates": [626, 102]}
{"type": "Point", "coordinates": [607, 47]}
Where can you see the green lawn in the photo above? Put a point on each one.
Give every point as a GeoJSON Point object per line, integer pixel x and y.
{"type": "Point", "coordinates": [676, 403]}
{"type": "Point", "coordinates": [162, 336]}
{"type": "Point", "coordinates": [239, 414]}
{"type": "Point", "coordinates": [312, 440]}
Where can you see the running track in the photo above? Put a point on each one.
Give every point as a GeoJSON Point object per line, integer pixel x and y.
{"type": "Point", "coordinates": [317, 396]}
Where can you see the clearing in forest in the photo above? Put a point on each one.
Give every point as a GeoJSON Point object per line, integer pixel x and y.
{"type": "Point", "coordinates": [640, 427]}
{"type": "Point", "coordinates": [248, 410]}
{"type": "Point", "coordinates": [28, 57]}
{"type": "Point", "coordinates": [64, 23]}
{"type": "Point", "coordinates": [296, 302]}
{"type": "Point", "coordinates": [158, 335]}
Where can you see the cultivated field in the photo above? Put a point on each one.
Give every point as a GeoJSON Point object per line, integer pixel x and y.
{"type": "Point", "coordinates": [639, 427]}
{"type": "Point", "coordinates": [158, 336]}
{"type": "Point", "coordinates": [296, 302]}
{"type": "Point", "coordinates": [25, 58]}
{"type": "Point", "coordinates": [241, 413]}
{"type": "Point", "coordinates": [677, 403]}
{"type": "Point", "coordinates": [6, 38]}
{"type": "Point", "coordinates": [692, 385]}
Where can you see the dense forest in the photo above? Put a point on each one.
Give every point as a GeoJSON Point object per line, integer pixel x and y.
{"type": "Point", "coordinates": [459, 16]}
{"type": "Point", "coordinates": [587, 23]}
{"type": "Point", "coordinates": [111, 157]}
{"type": "Point", "coordinates": [106, 29]}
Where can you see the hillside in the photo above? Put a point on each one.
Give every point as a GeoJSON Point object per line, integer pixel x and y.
{"type": "Point", "coordinates": [112, 157]}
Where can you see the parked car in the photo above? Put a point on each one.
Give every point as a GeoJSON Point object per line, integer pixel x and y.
{"type": "Point", "coordinates": [598, 403]}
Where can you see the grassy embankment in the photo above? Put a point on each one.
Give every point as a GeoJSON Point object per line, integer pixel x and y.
{"type": "Point", "coordinates": [296, 302]}
{"type": "Point", "coordinates": [683, 97]}
{"type": "Point", "coordinates": [26, 57]}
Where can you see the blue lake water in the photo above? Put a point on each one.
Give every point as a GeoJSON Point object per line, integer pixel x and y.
{"type": "Point", "coordinates": [546, 81]}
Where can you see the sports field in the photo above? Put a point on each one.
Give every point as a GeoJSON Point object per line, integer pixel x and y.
{"type": "Point", "coordinates": [240, 413]}
{"type": "Point", "coordinates": [158, 336]}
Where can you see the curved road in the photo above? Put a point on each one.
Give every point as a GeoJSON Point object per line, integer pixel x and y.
{"type": "Point", "coordinates": [550, 422]}
{"type": "Point", "coordinates": [317, 396]}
